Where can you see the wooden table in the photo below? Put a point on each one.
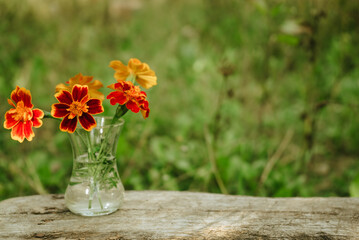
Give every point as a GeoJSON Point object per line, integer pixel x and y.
{"type": "Point", "coordinates": [184, 215]}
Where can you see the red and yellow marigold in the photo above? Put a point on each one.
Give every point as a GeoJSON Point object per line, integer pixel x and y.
{"type": "Point", "coordinates": [76, 106]}
{"type": "Point", "coordinates": [143, 74]}
{"type": "Point", "coordinates": [22, 117]}
{"type": "Point", "coordinates": [126, 93]}
{"type": "Point", "coordinates": [93, 86]}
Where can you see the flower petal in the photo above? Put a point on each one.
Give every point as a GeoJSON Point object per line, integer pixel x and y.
{"type": "Point", "coordinates": [59, 110]}
{"type": "Point", "coordinates": [87, 121]}
{"type": "Point", "coordinates": [144, 104]}
{"type": "Point", "coordinates": [128, 85]}
{"type": "Point", "coordinates": [145, 113]}
{"type": "Point", "coordinates": [112, 86]}
{"type": "Point", "coordinates": [17, 132]}
{"type": "Point", "coordinates": [64, 97]}
{"type": "Point", "coordinates": [95, 106]}
{"type": "Point", "coordinates": [62, 86]}
{"type": "Point", "coordinates": [36, 118]}
{"type": "Point", "coordinates": [79, 92]}
{"type": "Point", "coordinates": [121, 76]}
{"type": "Point", "coordinates": [36, 122]}
{"type": "Point", "coordinates": [96, 94]}
{"type": "Point", "coordinates": [22, 94]}
{"type": "Point", "coordinates": [14, 95]}
{"type": "Point", "coordinates": [96, 84]}
{"type": "Point", "coordinates": [117, 97]}
{"type": "Point", "coordinates": [146, 81]}
{"type": "Point", "coordinates": [144, 94]}
{"type": "Point", "coordinates": [118, 65]}
{"type": "Point", "coordinates": [10, 122]}
{"type": "Point", "coordinates": [29, 134]}
{"type": "Point", "coordinates": [11, 103]}
{"type": "Point", "coordinates": [37, 113]}
{"type": "Point", "coordinates": [122, 71]}
{"type": "Point", "coordinates": [77, 79]}
{"type": "Point", "coordinates": [121, 85]}
{"type": "Point", "coordinates": [84, 81]}
{"type": "Point", "coordinates": [25, 95]}
{"type": "Point", "coordinates": [131, 105]}
{"type": "Point", "coordinates": [68, 125]}
{"type": "Point", "coordinates": [134, 63]}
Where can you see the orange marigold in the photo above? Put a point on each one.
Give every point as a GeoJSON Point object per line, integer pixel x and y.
{"type": "Point", "coordinates": [126, 93]}
{"type": "Point", "coordinates": [22, 117]}
{"type": "Point", "coordinates": [141, 71]}
{"type": "Point", "coordinates": [84, 81]}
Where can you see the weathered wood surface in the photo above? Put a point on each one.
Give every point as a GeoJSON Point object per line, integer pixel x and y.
{"type": "Point", "coordinates": [184, 215]}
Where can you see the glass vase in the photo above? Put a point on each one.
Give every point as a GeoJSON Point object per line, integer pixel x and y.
{"type": "Point", "coordinates": [95, 187]}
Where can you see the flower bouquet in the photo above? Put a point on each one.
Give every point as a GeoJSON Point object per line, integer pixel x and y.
{"type": "Point", "coordinates": [95, 187]}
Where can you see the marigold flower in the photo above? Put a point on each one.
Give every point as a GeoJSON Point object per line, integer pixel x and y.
{"type": "Point", "coordinates": [84, 81]}
{"type": "Point", "coordinates": [126, 93]}
{"type": "Point", "coordinates": [74, 106]}
{"type": "Point", "coordinates": [22, 117]}
{"type": "Point", "coordinates": [141, 71]}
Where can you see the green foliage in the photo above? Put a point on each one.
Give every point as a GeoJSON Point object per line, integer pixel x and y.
{"type": "Point", "coordinates": [244, 87]}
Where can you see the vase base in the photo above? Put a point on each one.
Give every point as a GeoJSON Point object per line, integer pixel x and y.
{"type": "Point", "coordinates": [90, 213]}
{"type": "Point", "coordinates": [83, 208]}
{"type": "Point", "coordinates": [78, 201]}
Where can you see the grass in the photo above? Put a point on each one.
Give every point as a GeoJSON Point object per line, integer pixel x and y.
{"type": "Point", "coordinates": [254, 97]}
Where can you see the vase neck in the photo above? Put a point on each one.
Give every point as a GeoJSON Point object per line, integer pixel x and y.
{"type": "Point", "coordinates": [101, 140]}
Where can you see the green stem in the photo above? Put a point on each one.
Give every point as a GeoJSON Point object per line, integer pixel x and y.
{"type": "Point", "coordinates": [120, 111]}
{"type": "Point", "coordinates": [93, 183]}
{"type": "Point", "coordinates": [132, 78]}
{"type": "Point", "coordinates": [89, 147]}
{"type": "Point", "coordinates": [48, 115]}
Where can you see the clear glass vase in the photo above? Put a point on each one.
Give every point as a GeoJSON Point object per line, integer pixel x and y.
{"type": "Point", "coordinates": [95, 187]}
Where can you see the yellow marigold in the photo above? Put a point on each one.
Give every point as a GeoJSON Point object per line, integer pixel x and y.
{"type": "Point", "coordinates": [83, 81]}
{"type": "Point", "coordinates": [143, 74]}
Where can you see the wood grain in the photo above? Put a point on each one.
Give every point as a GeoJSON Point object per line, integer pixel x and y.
{"type": "Point", "coordinates": [184, 215]}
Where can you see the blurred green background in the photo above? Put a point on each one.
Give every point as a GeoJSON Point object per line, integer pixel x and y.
{"type": "Point", "coordinates": [253, 97]}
